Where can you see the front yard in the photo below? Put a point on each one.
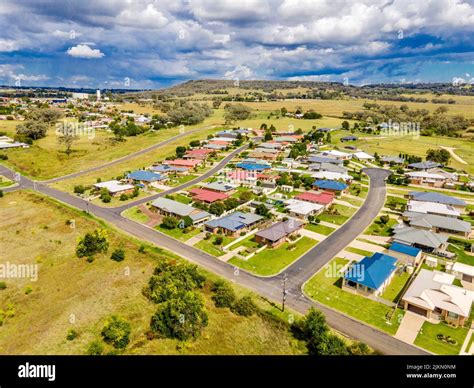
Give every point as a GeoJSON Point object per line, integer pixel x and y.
{"type": "Point", "coordinates": [325, 287]}
{"type": "Point", "coordinates": [321, 229]}
{"type": "Point", "coordinates": [135, 214]}
{"type": "Point", "coordinates": [211, 247]}
{"type": "Point", "coordinates": [338, 214]}
{"type": "Point", "coordinates": [428, 338]}
{"type": "Point", "coordinates": [272, 261]}
{"type": "Point", "coordinates": [378, 228]}
{"type": "Point", "coordinates": [178, 233]}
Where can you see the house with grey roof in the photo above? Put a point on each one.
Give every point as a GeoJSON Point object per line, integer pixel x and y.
{"type": "Point", "coordinates": [392, 160]}
{"type": "Point", "coordinates": [234, 224]}
{"type": "Point", "coordinates": [278, 233]}
{"type": "Point", "coordinates": [168, 207]}
{"type": "Point", "coordinates": [423, 166]}
{"type": "Point", "coordinates": [420, 238]}
{"type": "Point", "coordinates": [220, 186]}
{"type": "Point", "coordinates": [438, 224]}
{"type": "Point", "coordinates": [327, 167]}
{"type": "Point", "coordinates": [427, 196]}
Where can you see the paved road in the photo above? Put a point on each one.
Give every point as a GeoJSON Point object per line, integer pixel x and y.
{"type": "Point", "coordinates": [270, 288]}
{"type": "Point", "coordinates": [126, 157]}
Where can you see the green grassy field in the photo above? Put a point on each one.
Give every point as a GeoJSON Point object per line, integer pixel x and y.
{"type": "Point", "coordinates": [428, 339]}
{"type": "Point", "coordinates": [322, 229]}
{"type": "Point", "coordinates": [178, 233]}
{"type": "Point", "coordinates": [393, 290]}
{"type": "Point", "coordinates": [135, 214]}
{"type": "Point", "coordinates": [327, 290]}
{"type": "Point", "coordinates": [379, 229]}
{"type": "Point", "coordinates": [271, 261]}
{"type": "Point", "coordinates": [68, 287]}
{"type": "Point", "coordinates": [211, 248]}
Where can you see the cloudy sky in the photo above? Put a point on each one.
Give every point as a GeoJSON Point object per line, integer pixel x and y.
{"type": "Point", "coordinates": [150, 44]}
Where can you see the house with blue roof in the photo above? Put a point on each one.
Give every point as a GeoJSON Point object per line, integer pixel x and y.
{"type": "Point", "coordinates": [406, 254]}
{"type": "Point", "coordinates": [330, 185]}
{"type": "Point", "coordinates": [253, 166]}
{"type": "Point", "coordinates": [144, 177]}
{"type": "Point", "coordinates": [234, 224]}
{"type": "Point", "coordinates": [371, 275]}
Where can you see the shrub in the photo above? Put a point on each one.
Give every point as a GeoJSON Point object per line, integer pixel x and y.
{"type": "Point", "coordinates": [218, 240]}
{"type": "Point", "coordinates": [92, 243]}
{"type": "Point", "coordinates": [224, 295]}
{"type": "Point", "coordinates": [116, 332]}
{"type": "Point", "coordinates": [123, 197]}
{"type": "Point", "coordinates": [118, 255]}
{"type": "Point", "coordinates": [79, 189]}
{"type": "Point", "coordinates": [244, 307]}
{"type": "Point", "coordinates": [95, 349]}
{"type": "Point", "coordinates": [3, 285]}
{"type": "Point", "coordinates": [71, 335]}
{"type": "Point", "coordinates": [141, 249]}
{"type": "Point", "coordinates": [169, 222]}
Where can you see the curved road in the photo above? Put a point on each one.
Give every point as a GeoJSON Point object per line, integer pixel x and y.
{"type": "Point", "coordinates": [126, 157]}
{"type": "Point", "coordinates": [271, 287]}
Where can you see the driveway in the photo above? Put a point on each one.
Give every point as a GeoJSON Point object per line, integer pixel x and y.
{"type": "Point", "coordinates": [410, 327]}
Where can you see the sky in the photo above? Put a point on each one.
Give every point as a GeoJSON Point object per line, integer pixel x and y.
{"type": "Point", "coordinates": [152, 44]}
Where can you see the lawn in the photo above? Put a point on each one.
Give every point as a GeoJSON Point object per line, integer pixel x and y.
{"type": "Point", "coordinates": [379, 229]}
{"type": "Point", "coordinates": [214, 249]}
{"type": "Point", "coordinates": [321, 229]}
{"type": "Point", "coordinates": [428, 339]}
{"type": "Point", "coordinates": [69, 287]}
{"type": "Point", "coordinates": [5, 182]}
{"type": "Point", "coordinates": [463, 256]}
{"type": "Point", "coordinates": [272, 261]}
{"type": "Point", "coordinates": [396, 203]}
{"type": "Point", "coordinates": [325, 287]}
{"type": "Point", "coordinates": [358, 251]}
{"type": "Point", "coordinates": [135, 214]}
{"type": "Point", "coordinates": [344, 213]}
{"type": "Point", "coordinates": [178, 233]}
{"type": "Point", "coordinates": [180, 198]}
{"type": "Point", "coordinates": [393, 290]}
{"type": "Point", "coordinates": [247, 242]}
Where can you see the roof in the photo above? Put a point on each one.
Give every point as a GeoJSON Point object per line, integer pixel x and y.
{"type": "Point", "coordinates": [183, 162]}
{"type": "Point", "coordinates": [215, 146]}
{"type": "Point", "coordinates": [322, 159]}
{"type": "Point", "coordinates": [143, 175]}
{"type": "Point", "coordinates": [323, 198]}
{"type": "Point", "coordinates": [428, 196]}
{"type": "Point", "coordinates": [167, 168]}
{"type": "Point", "coordinates": [234, 221]}
{"type": "Point", "coordinates": [328, 167]}
{"type": "Point", "coordinates": [372, 271]}
{"type": "Point", "coordinates": [394, 159]}
{"type": "Point", "coordinates": [207, 195]}
{"type": "Point", "coordinates": [412, 236]}
{"type": "Point", "coordinates": [253, 166]}
{"type": "Point", "coordinates": [434, 289]}
{"type": "Point", "coordinates": [331, 175]}
{"type": "Point", "coordinates": [198, 151]}
{"type": "Point", "coordinates": [279, 230]}
{"type": "Point", "coordinates": [463, 268]}
{"type": "Point", "coordinates": [432, 208]}
{"type": "Point", "coordinates": [362, 155]}
{"type": "Point", "coordinates": [302, 207]}
{"type": "Point", "coordinates": [424, 165]}
{"type": "Point", "coordinates": [330, 185]}
{"type": "Point", "coordinates": [179, 209]}
{"type": "Point", "coordinates": [114, 186]}
{"type": "Point", "coordinates": [424, 174]}
{"type": "Point", "coordinates": [335, 153]}
{"type": "Point", "coordinates": [433, 220]}
{"type": "Point", "coordinates": [219, 186]}
{"type": "Point", "coordinates": [348, 138]}
{"type": "Point", "coordinates": [405, 249]}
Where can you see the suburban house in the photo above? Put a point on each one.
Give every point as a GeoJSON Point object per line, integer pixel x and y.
{"type": "Point", "coordinates": [207, 196]}
{"type": "Point", "coordinates": [426, 178]}
{"type": "Point", "coordinates": [371, 275]}
{"type": "Point", "coordinates": [302, 209]}
{"type": "Point", "coordinates": [335, 154]}
{"type": "Point", "coordinates": [241, 177]}
{"type": "Point", "coordinates": [348, 138]}
{"type": "Point", "coordinates": [361, 155]}
{"type": "Point", "coordinates": [327, 167]}
{"type": "Point", "coordinates": [438, 224]}
{"type": "Point", "coordinates": [188, 163]}
{"type": "Point", "coordinates": [324, 198]}
{"type": "Point", "coordinates": [392, 160]}
{"type": "Point", "coordinates": [406, 254]}
{"type": "Point", "coordinates": [165, 169]}
{"type": "Point", "coordinates": [226, 133]}
{"type": "Point", "coordinates": [264, 154]}
{"type": "Point", "coordinates": [215, 147]}
{"type": "Point", "coordinates": [253, 166]}
{"type": "Point", "coordinates": [419, 238]}
{"type": "Point", "coordinates": [220, 186]}
{"type": "Point", "coordinates": [439, 209]}
{"type": "Point", "coordinates": [433, 295]}
{"type": "Point", "coordinates": [427, 196]}
{"type": "Point", "coordinates": [200, 153]}
{"type": "Point", "coordinates": [168, 207]}
{"type": "Point", "coordinates": [278, 232]}
{"type": "Point", "coordinates": [424, 166]}
{"type": "Point", "coordinates": [465, 273]}
{"type": "Point", "coordinates": [233, 224]}
{"type": "Point", "coordinates": [317, 159]}
{"type": "Point", "coordinates": [115, 187]}
{"type": "Point", "coordinates": [271, 145]}
{"type": "Point", "coordinates": [7, 142]}
{"type": "Point", "coordinates": [328, 175]}
{"type": "Point", "coordinates": [329, 185]}
{"type": "Point", "coordinates": [144, 177]}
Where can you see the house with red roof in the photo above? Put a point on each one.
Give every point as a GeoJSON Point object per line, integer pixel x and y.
{"type": "Point", "coordinates": [323, 198]}
{"type": "Point", "coordinates": [207, 196]}
{"type": "Point", "coordinates": [200, 154]}
{"type": "Point", "coordinates": [189, 163]}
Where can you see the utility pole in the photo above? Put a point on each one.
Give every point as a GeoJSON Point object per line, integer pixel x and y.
{"type": "Point", "coordinates": [285, 292]}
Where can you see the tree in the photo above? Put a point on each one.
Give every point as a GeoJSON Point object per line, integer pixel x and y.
{"type": "Point", "coordinates": [345, 125]}
{"type": "Point", "coordinates": [224, 295]}
{"type": "Point", "coordinates": [66, 137]}
{"type": "Point", "coordinates": [95, 348]}
{"type": "Point", "coordinates": [441, 156]}
{"type": "Point", "coordinates": [118, 255]}
{"type": "Point", "coordinates": [217, 208]}
{"type": "Point", "coordinates": [231, 203]}
{"type": "Point", "coordinates": [169, 222]}
{"type": "Point", "coordinates": [194, 143]}
{"type": "Point", "coordinates": [182, 318]}
{"type": "Point", "coordinates": [48, 116]}
{"type": "Point", "coordinates": [218, 240]}
{"type": "Point", "coordinates": [33, 130]}
{"type": "Point", "coordinates": [236, 112]}
{"type": "Point", "coordinates": [79, 189]}
{"type": "Point", "coordinates": [116, 332]}
{"type": "Point", "coordinates": [245, 196]}
{"type": "Point", "coordinates": [216, 103]}
{"type": "Point", "coordinates": [283, 111]}
{"type": "Point", "coordinates": [244, 307]}
{"type": "Point", "coordinates": [92, 243]}
{"type": "Point", "coordinates": [105, 195]}
{"type": "Point", "coordinates": [118, 130]}
{"type": "Point", "coordinates": [180, 151]}
{"type": "Point", "coordinates": [262, 210]}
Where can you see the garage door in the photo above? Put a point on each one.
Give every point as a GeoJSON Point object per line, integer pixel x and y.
{"type": "Point", "coordinates": [417, 310]}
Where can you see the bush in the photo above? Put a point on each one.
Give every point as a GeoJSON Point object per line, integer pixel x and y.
{"type": "Point", "coordinates": [118, 255]}
{"type": "Point", "coordinates": [218, 240]}
{"type": "Point", "coordinates": [95, 349]}
{"type": "Point", "coordinates": [123, 197]}
{"type": "Point", "coordinates": [79, 189]}
{"type": "Point", "coordinates": [169, 222]}
{"type": "Point", "coordinates": [244, 307]}
{"type": "Point", "coordinates": [141, 249]}
{"type": "Point", "coordinates": [116, 332]}
{"type": "Point", "coordinates": [3, 285]}
{"type": "Point", "coordinates": [1, 193]}
{"type": "Point", "coordinates": [71, 335]}
{"type": "Point", "coordinates": [224, 295]}
{"type": "Point", "coordinates": [92, 243]}
{"type": "Point", "coordinates": [3, 157]}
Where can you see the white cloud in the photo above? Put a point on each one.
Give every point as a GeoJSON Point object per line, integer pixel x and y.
{"type": "Point", "coordinates": [8, 45]}
{"type": "Point", "coordinates": [148, 17]}
{"type": "Point", "coordinates": [84, 51]}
